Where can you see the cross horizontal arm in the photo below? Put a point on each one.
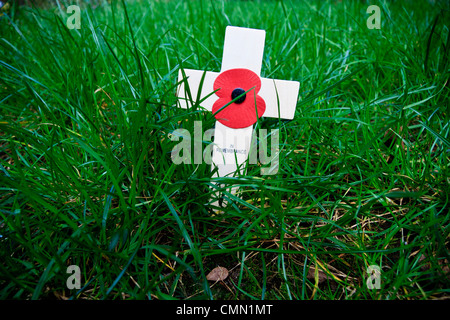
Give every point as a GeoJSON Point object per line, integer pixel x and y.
{"type": "Point", "coordinates": [194, 78]}
{"type": "Point", "coordinates": [280, 95]}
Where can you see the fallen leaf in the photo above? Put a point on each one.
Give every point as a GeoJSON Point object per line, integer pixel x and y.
{"type": "Point", "coordinates": [321, 275]}
{"type": "Point", "coordinates": [217, 274]}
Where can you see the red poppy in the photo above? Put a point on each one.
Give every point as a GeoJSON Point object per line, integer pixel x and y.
{"type": "Point", "coordinates": [241, 113]}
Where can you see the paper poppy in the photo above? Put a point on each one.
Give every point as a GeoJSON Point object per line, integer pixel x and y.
{"type": "Point", "coordinates": [245, 110]}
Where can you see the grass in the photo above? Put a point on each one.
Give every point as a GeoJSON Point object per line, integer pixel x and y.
{"type": "Point", "coordinates": [87, 179]}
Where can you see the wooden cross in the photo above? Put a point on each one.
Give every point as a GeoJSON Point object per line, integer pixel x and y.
{"type": "Point", "coordinates": [243, 48]}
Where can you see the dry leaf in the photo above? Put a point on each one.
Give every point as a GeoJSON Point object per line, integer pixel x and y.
{"type": "Point", "coordinates": [217, 274]}
{"type": "Point", "coordinates": [321, 275]}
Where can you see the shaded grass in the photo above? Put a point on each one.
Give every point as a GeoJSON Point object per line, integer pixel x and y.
{"type": "Point", "coordinates": [87, 178]}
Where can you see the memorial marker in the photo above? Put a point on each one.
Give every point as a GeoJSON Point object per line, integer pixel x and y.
{"type": "Point", "coordinates": [242, 96]}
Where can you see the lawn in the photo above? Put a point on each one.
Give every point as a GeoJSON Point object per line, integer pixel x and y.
{"type": "Point", "coordinates": [87, 178]}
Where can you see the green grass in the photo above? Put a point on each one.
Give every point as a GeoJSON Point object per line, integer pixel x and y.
{"type": "Point", "coordinates": [87, 179]}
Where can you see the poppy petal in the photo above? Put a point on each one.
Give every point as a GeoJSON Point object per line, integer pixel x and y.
{"type": "Point", "coordinates": [243, 113]}
{"type": "Point", "coordinates": [228, 80]}
{"type": "Point", "coordinates": [240, 115]}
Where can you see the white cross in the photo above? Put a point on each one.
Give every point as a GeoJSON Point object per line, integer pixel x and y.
{"type": "Point", "coordinates": [243, 48]}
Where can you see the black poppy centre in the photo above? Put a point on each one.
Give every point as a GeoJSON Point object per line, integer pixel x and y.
{"type": "Point", "coordinates": [236, 93]}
